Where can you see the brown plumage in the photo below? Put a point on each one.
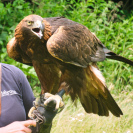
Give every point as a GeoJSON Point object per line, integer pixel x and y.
{"type": "Point", "coordinates": [64, 55]}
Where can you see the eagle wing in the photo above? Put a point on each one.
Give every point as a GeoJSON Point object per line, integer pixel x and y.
{"type": "Point", "coordinates": [76, 45]}
{"type": "Point", "coordinates": [15, 52]}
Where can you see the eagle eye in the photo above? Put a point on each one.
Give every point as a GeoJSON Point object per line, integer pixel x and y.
{"type": "Point", "coordinates": [29, 22]}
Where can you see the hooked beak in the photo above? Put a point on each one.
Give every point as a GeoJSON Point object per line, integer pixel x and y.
{"type": "Point", "coordinates": [38, 28]}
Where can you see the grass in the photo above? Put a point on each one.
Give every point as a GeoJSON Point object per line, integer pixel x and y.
{"type": "Point", "coordinates": [76, 120]}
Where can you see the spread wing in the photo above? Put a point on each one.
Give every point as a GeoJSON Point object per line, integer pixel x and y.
{"type": "Point", "coordinates": [16, 53]}
{"type": "Point", "coordinates": [75, 44]}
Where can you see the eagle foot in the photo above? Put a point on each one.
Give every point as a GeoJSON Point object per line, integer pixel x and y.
{"type": "Point", "coordinates": [53, 99]}
{"type": "Point", "coordinates": [37, 111]}
{"type": "Point", "coordinates": [45, 108]}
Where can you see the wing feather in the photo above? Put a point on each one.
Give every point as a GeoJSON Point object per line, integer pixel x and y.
{"type": "Point", "coordinates": [76, 45]}
{"type": "Point", "coordinates": [16, 53]}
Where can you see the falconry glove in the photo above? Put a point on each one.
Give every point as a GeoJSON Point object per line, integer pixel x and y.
{"type": "Point", "coordinates": [44, 114]}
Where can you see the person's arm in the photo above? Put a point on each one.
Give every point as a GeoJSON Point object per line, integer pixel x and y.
{"type": "Point", "coordinates": [27, 94]}
{"type": "Point", "coordinates": [18, 127]}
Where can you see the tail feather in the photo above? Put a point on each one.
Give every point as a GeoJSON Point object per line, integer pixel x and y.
{"type": "Point", "coordinates": [95, 99]}
{"type": "Point", "coordinates": [86, 103]}
{"type": "Point", "coordinates": [103, 110]}
{"type": "Point", "coordinates": [94, 104]}
{"type": "Point", "coordinates": [111, 55]}
{"type": "Point", "coordinates": [100, 106]}
{"type": "Point", "coordinates": [112, 106]}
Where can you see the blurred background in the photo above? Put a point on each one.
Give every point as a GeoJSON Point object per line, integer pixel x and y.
{"type": "Point", "coordinates": [112, 22]}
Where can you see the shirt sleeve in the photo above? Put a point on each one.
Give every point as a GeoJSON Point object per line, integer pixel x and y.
{"type": "Point", "coordinates": [27, 94]}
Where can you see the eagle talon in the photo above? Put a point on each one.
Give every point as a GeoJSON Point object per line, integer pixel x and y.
{"type": "Point", "coordinates": [53, 98]}
{"type": "Point", "coordinates": [30, 114]}
{"type": "Point", "coordinates": [36, 104]}
{"type": "Point", "coordinates": [38, 117]}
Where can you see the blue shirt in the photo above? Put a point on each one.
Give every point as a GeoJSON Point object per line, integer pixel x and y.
{"type": "Point", "coordinates": [16, 95]}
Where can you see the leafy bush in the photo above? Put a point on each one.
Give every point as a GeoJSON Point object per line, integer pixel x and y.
{"type": "Point", "coordinates": [10, 15]}
{"type": "Point", "coordinates": [111, 25]}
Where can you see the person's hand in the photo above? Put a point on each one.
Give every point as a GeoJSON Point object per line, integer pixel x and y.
{"type": "Point", "coordinates": [18, 127]}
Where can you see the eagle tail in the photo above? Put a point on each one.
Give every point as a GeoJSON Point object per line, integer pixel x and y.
{"type": "Point", "coordinates": [100, 106]}
{"type": "Point", "coordinates": [96, 98]}
{"type": "Point", "coordinates": [111, 55]}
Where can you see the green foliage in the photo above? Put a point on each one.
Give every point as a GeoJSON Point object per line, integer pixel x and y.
{"type": "Point", "coordinates": [11, 14]}
{"type": "Point", "coordinates": [111, 25]}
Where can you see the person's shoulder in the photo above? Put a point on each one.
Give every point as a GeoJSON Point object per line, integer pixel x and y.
{"type": "Point", "coordinates": [11, 69]}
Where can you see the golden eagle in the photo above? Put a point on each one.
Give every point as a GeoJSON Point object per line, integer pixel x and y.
{"type": "Point", "coordinates": [64, 55]}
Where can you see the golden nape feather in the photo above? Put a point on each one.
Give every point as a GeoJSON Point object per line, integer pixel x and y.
{"type": "Point", "coordinates": [64, 54]}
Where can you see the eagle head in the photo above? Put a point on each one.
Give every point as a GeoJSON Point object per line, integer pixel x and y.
{"type": "Point", "coordinates": [31, 25]}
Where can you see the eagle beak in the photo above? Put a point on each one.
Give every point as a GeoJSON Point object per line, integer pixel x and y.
{"type": "Point", "coordinates": [38, 28]}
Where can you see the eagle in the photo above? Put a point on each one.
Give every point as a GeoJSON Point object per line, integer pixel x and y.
{"type": "Point", "coordinates": [64, 55]}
